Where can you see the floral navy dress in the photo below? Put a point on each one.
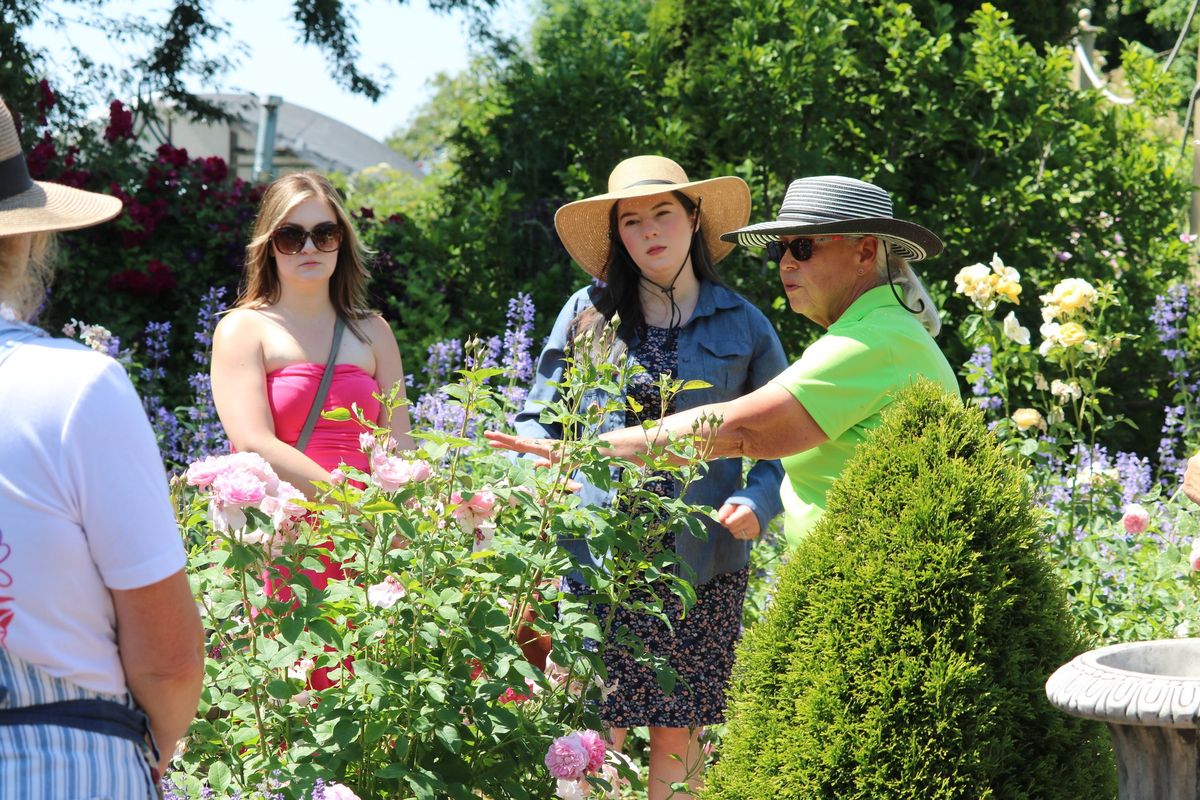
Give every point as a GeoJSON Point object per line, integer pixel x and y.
{"type": "Point", "coordinates": [700, 645]}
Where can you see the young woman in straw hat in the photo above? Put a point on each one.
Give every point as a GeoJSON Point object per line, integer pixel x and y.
{"type": "Point", "coordinates": [652, 242]}
{"type": "Point", "coordinates": [100, 641]}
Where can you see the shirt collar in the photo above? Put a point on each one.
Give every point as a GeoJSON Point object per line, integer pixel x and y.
{"type": "Point", "coordinates": [868, 301]}
{"type": "Point", "coordinates": [712, 297]}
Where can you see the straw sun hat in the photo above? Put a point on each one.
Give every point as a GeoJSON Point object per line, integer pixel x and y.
{"type": "Point", "coordinates": [29, 206]}
{"type": "Point", "coordinates": [583, 226]}
{"type": "Point", "coordinates": [831, 204]}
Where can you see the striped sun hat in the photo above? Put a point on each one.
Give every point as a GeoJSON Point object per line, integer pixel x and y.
{"type": "Point", "coordinates": [29, 206]}
{"type": "Point", "coordinates": [832, 204]}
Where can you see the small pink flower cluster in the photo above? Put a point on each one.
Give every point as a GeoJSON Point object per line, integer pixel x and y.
{"type": "Point", "coordinates": [574, 757]}
{"type": "Point", "coordinates": [390, 472]}
{"type": "Point", "coordinates": [473, 516]}
{"type": "Point", "coordinates": [239, 481]}
{"type": "Point", "coordinates": [1135, 518]}
{"type": "Point", "coordinates": [386, 593]}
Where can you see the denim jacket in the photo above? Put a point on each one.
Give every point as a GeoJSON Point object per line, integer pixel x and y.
{"type": "Point", "coordinates": [727, 343]}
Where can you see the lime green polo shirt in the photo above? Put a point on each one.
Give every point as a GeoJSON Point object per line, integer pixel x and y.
{"type": "Point", "coordinates": [844, 380]}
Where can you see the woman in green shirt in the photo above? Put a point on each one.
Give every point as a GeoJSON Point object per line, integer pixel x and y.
{"type": "Point", "coordinates": [844, 263]}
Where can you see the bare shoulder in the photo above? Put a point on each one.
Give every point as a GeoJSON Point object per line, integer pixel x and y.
{"type": "Point", "coordinates": [239, 328]}
{"type": "Point", "coordinates": [378, 330]}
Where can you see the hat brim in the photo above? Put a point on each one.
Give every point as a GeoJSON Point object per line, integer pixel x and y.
{"type": "Point", "coordinates": [46, 207]}
{"type": "Point", "coordinates": [908, 239]}
{"type": "Point", "coordinates": [583, 226]}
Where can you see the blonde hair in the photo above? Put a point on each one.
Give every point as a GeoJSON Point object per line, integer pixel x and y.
{"type": "Point", "coordinates": [24, 280]}
{"type": "Point", "coordinates": [911, 289]}
{"type": "Point", "coordinates": [260, 278]}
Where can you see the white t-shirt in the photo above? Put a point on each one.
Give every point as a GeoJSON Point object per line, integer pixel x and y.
{"type": "Point", "coordinates": [84, 508]}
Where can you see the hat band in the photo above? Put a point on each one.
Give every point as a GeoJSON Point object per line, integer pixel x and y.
{"type": "Point", "coordinates": [14, 177]}
{"type": "Point", "coordinates": [650, 181]}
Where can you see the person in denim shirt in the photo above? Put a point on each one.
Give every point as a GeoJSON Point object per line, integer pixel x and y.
{"type": "Point", "coordinates": [653, 241]}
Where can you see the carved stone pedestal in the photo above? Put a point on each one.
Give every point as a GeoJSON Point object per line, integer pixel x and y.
{"type": "Point", "coordinates": [1148, 693]}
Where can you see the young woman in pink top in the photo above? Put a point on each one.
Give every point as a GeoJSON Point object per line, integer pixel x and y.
{"type": "Point", "coordinates": [304, 270]}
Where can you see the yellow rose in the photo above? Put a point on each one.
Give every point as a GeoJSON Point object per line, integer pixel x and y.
{"type": "Point", "coordinates": [1071, 334]}
{"type": "Point", "coordinates": [1073, 294]}
{"type": "Point", "coordinates": [1026, 418]}
{"type": "Point", "coordinates": [1009, 290]}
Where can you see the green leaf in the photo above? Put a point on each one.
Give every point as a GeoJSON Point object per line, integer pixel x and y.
{"type": "Point", "coordinates": [337, 414]}
{"type": "Point", "coordinates": [694, 384]}
{"type": "Point", "coordinates": [219, 776]}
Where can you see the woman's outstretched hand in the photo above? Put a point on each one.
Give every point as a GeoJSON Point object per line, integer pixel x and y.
{"type": "Point", "coordinates": [548, 449]}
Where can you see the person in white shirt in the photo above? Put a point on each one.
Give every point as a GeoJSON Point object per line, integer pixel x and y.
{"type": "Point", "coordinates": [101, 646]}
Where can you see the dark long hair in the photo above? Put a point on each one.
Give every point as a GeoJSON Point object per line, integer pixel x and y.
{"type": "Point", "coordinates": [619, 295]}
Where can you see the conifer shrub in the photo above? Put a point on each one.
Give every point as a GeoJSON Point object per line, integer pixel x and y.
{"type": "Point", "coordinates": [911, 636]}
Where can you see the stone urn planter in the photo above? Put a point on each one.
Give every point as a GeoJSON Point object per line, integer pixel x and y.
{"type": "Point", "coordinates": [1148, 693]}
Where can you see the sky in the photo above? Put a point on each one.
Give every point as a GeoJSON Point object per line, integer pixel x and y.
{"type": "Point", "coordinates": [410, 39]}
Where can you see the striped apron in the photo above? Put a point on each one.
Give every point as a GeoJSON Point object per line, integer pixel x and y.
{"type": "Point", "coordinates": [59, 741]}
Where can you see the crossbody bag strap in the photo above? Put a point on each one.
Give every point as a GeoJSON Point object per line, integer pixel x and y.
{"type": "Point", "coordinates": [323, 389]}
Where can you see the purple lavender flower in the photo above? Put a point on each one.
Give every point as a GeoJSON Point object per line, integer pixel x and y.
{"type": "Point", "coordinates": [517, 337]}
{"type": "Point", "coordinates": [1135, 476]}
{"type": "Point", "coordinates": [1170, 465]}
{"type": "Point", "coordinates": [211, 304]}
{"type": "Point", "coordinates": [980, 370]}
{"type": "Point", "coordinates": [1169, 310]}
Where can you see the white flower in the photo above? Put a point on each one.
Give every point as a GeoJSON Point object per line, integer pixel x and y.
{"type": "Point", "coordinates": [299, 671]}
{"type": "Point", "coordinates": [1066, 391]}
{"type": "Point", "coordinates": [96, 337]}
{"type": "Point", "coordinates": [1183, 630]}
{"type": "Point", "coordinates": [387, 593]}
{"type": "Point", "coordinates": [7, 312]}
{"type": "Point", "coordinates": [1026, 418]}
{"type": "Point", "coordinates": [1039, 381]}
{"type": "Point", "coordinates": [485, 533]}
{"type": "Point", "coordinates": [1013, 329]}
{"type": "Point", "coordinates": [571, 790]}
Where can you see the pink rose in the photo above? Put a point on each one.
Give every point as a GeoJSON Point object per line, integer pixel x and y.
{"type": "Point", "coordinates": [390, 473]}
{"type": "Point", "coordinates": [572, 790]}
{"type": "Point", "coordinates": [1135, 518]}
{"type": "Point", "coordinates": [1195, 557]}
{"type": "Point", "coordinates": [596, 748]}
{"type": "Point", "coordinates": [238, 488]}
{"type": "Point", "coordinates": [366, 442]}
{"type": "Point", "coordinates": [567, 758]}
{"type": "Point", "coordinates": [256, 465]}
{"type": "Point", "coordinates": [337, 477]}
{"type": "Point", "coordinates": [203, 473]}
{"type": "Point", "coordinates": [387, 593]}
{"type": "Point", "coordinates": [336, 791]}
{"type": "Point", "coordinates": [470, 513]}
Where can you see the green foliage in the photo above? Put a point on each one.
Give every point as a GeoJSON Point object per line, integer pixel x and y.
{"type": "Point", "coordinates": [911, 635]}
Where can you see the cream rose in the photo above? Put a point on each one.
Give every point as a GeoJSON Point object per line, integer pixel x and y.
{"type": "Point", "coordinates": [1026, 418]}
{"type": "Point", "coordinates": [1071, 334]}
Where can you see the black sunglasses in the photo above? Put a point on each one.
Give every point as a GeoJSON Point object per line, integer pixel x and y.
{"type": "Point", "coordinates": [800, 247]}
{"type": "Point", "coordinates": [290, 239]}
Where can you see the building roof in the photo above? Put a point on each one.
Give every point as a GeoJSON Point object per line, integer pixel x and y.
{"type": "Point", "coordinates": [328, 144]}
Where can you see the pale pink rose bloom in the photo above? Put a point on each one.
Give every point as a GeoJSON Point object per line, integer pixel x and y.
{"type": "Point", "coordinates": [337, 477]}
{"type": "Point", "coordinates": [390, 473]}
{"type": "Point", "coordinates": [485, 534]}
{"type": "Point", "coordinates": [336, 791]}
{"type": "Point", "coordinates": [203, 473]}
{"type": "Point", "coordinates": [419, 470]}
{"type": "Point", "coordinates": [299, 671]}
{"type": "Point", "coordinates": [1135, 518]}
{"type": "Point", "coordinates": [567, 758]}
{"type": "Point", "coordinates": [256, 465]}
{"type": "Point", "coordinates": [556, 674]}
{"type": "Point", "coordinates": [596, 748]}
{"type": "Point", "coordinates": [238, 488]}
{"type": "Point", "coordinates": [1195, 557]}
{"type": "Point", "coordinates": [387, 593]}
{"type": "Point", "coordinates": [302, 698]}
{"type": "Point", "coordinates": [571, 790]}
{"type": "Point", "coordinates": [470, 513]}
{"type": "Point", "coordinates": [366, 442]}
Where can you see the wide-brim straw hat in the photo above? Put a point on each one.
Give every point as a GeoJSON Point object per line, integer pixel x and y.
{"type": "Point", "coordinates": [29, 206]}
{"type": "Point", "coordinates": [583, 226]}
{"type": "Point", "coordinates": [826, 205]}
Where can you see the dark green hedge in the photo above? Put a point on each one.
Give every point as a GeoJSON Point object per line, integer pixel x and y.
{"type": "Point", "coordinates": [911, 635]}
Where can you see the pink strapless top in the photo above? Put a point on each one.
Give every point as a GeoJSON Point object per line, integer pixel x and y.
{"type": "Point", "coordinates": [290, 393]}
